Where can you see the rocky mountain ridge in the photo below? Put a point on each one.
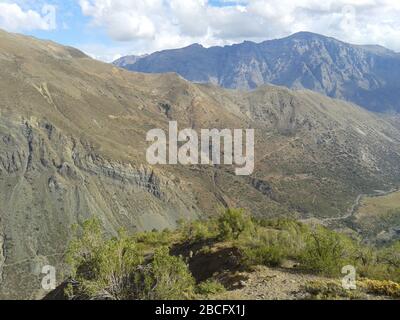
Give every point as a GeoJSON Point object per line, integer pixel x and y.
{"type": "Point", "coordinates": [365, 75]}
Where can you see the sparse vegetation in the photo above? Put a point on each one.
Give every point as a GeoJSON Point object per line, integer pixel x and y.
{"type": "Point", "coordinates": [386, 287]}
{"type": "Point", "coordinates": [118, 269]}
{"type": "Point", "coordinates": [148, 265]}
{"type": "Point", "coordinates": [378, 217]}
{"type": "Point", "coordinates": [265, 255]}
{"type": "Point", "coordinates": [102, 267]}
{"type": "Point", "coordinates": [199, 231]}
{"type": "Point", "coordinates": [327, 252]}
{"type": "Point", "coordinates": [209, 288]}
{"type": "Point", "coordinates": [333, 289]}
{"type": "Point", "coordinates": [164, 278]}
{"type": "Point", "coordinates": [233, 223]}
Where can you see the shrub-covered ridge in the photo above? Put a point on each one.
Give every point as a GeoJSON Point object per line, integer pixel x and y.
{"type": "Point", "coordinates": [192, 261]}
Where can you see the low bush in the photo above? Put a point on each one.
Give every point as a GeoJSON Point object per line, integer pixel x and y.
{"type": "Point", "coordinates": [154, 238]}
{"type": "Point", "coordinates": [116, 269]}
{"type": "Point", "coordinates": [233, 223]}
{"type": "Point", "coordinates": [197, 231]}
{"type": "Point", "coordinates": [326, 252]}
{"type": "Point", "coordinates": [386, 287]}
{"type": "Point", "coordinates": [165, 278]}
{"type": "Point", "coordinates": [102, 267]}
{"type": "Point", "coordinates": [141, 267]}
{"type": "Point", "coordinates": [330, 290]}
{"type": "Point", "coordinates": [209, 288]}
{"type": "Point", "coordinates": [390, 257]}
{"type": "Point", "coordinates": [272, 256]}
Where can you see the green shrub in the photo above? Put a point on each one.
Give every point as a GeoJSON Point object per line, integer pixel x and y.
{"type": "Point", "coordinates": [133, 268]}
{"type": "Point", "coordinates": [102, 267]}
{"type": "Point", "coordinates": [386, 288]}
{"type": "Point", "coordinates": [368, 265]}
{"type": "Point", "coordinates": [331, 290]}
{"type": "Point", "coordinates": [326, 252]}
{"type": "Point", "coordinates": [232, 223]}
{"type": "Point", "coordinates": [116, 268]}
{"type": "Point", "coordinates": [265, 255]}
{"type": "Point", "coordinates": [165, 278]}
{"type": "Point", "coordinates": [209, 288]}
{"type": "Point", "coordinates": [285, 224]}
{"type": "Point", "coordinates": [200, 230]}
{"type": "Point", "coordinates": [390, 257]}
{"type": "Point", "coordinates": [272, 241]}
{"type": "Point", "coordinates": [154, 238]}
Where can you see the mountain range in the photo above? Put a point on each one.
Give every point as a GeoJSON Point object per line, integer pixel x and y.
{"type": "Point", "coordinates": [366, 75]}
{"type": "Point", "coordinates": [73, 146]}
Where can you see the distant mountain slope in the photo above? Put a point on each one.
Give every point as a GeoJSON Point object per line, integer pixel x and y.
{"type": "Point", "coordinates": [366, 75]}
{"type": "Point", "coordinates": [128, 60]}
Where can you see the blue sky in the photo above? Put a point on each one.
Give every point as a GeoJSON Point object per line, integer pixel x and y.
{"type": "Point", "coordinates": [72, 27]}
{"type": "Point", "coordinates": [107, 29]}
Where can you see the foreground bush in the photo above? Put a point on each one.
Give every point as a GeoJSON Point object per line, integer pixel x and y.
{"type": "Point", "coordinates": [271, 256]}
{"type": "Point", "coordinates": [232, 223]}
{"type": "Point", "coordinates": [102, 267]}
{"type": "Point", "coordinates": [390, 257]}
{"type": "Point", "coordinates": [165, 278]}
{"type": "Point", "coordinates": [326, 252]}
{"type": "Point", "coordinates": [386, 288]}
{"type": "Point", "coordinates": [209, 288]}
{"type": "Point", "coordinates": [154, 238]}
{"type": "Point", "coordinates": [330, 289]}
{"type": "Point", "coordinates": [116, 269]}
{"type": "Point", "coordinates": [273, 241]}
{"type": "Point", "coordinates": [141, 266]}
{"type": "Point", "coordinates": [200, 230]}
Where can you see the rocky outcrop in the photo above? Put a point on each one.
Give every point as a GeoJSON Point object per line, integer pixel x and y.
{"type": "Point", "coordinates": [50, 181]}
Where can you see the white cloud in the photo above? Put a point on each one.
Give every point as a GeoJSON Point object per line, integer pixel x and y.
{"type": "Point", "coordinates": [149, 25]}
{"type": "Point", "coordinates": [103, 52]}
{"type": "Point", "coordinates": [124, 20]}
{"type": "Point", "coordinates": [14, 18]}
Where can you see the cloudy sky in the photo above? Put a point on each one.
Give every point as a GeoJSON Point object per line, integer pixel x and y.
{"type": "Point", "coordinates": [107, 29]}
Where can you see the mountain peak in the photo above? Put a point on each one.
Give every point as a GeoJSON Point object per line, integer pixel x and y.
{"type": "Point", "coordinates": [304, 60]}
{"type": "Point", "coordinates": [128, 60]}
{"type": "Point", "coordinates": [195, 46]}
{"type": "Point", "coordinates": [307, 36]}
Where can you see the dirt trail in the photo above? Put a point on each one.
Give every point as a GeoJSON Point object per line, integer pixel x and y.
{"type": "Point", "coordinates": [284, 283]}
{"type": "Point", "coordinates": [270, 284]}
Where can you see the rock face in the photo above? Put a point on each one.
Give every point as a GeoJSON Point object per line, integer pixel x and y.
{"type": "Point", "coordinates": [123, 61]}
{"type": "Point", "coordinates": [365, 75]}
{"type": "Point", "coordinates": [73, 145]}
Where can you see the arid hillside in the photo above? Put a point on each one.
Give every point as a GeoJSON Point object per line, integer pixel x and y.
{"type": "Point", "coordinates": [73, 145]}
